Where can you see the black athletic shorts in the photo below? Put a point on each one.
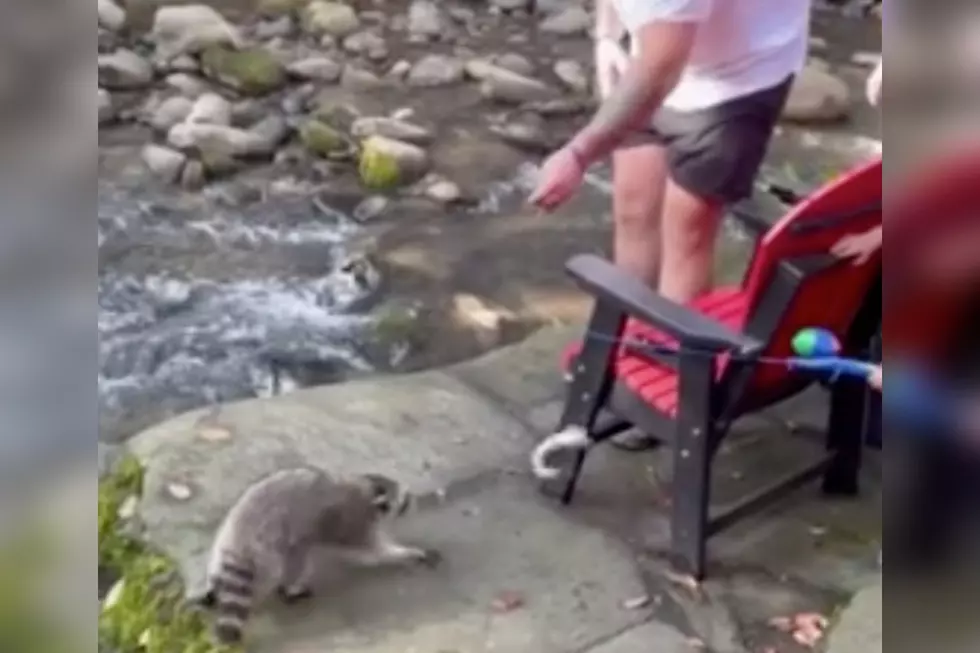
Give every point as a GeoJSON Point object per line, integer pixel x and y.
{"type": "Point", "coordinates": [716, 153]}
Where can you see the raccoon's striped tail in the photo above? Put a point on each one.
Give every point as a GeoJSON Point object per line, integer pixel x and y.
{"type": "Point", "coordinates": [233, 595]}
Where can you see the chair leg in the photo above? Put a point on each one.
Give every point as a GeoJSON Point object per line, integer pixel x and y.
{"type": "Point", "coordinates": [691, 501]}
{"type": "Point", "coordinates": [574, 475]}
{"type": "Point", "coordinates": [847, 430]}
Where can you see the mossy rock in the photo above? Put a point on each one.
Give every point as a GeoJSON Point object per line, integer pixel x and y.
{"type": "Point", "coordinates": [323, 140]}
{"type": "Point", "coordinates": [338, 115]}
{"type": "Point", "coordinates": [252, 71]}
{"type": "Point", "coordinates": [146, 611]}
{"type": "Point", "coordinates": [387, 164]}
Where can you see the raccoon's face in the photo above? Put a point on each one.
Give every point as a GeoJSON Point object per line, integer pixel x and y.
{"type": "Point", "coordinates": [388, 496]}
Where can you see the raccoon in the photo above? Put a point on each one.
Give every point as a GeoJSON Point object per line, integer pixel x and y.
{"type": "Point", "coordinates": [267, 541]}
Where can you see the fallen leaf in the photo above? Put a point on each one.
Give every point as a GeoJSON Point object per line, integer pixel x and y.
{"type": "Point", "coordinates": [214, 434]}
{"type": "Point", "coordinates": [179, 492]}
{"type": "Point", "coordinates": [507, 602]}
{"type": "Point", "coordinates": [637, 603]}
{"type": "Point", "coordinates": [806, 628]}
{"type": "Point", "coordinates": [695, 643]}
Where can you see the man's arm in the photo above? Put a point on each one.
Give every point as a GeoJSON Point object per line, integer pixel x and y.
{"type": "Point", "coordinates": [607, 22]}
{"type": "Point", "coordinates": [664, 49]}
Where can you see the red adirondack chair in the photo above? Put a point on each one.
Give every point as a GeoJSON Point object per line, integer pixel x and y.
{"type": "Point", "coordinates": [690, 399]}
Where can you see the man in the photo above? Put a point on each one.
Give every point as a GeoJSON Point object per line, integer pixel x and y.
{"type": "Point", "coordinates": [687, 116]}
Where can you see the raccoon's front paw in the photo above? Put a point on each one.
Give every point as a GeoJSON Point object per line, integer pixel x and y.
{"type": "Point", "coordinates": [429, 558]}
{"type": "Point", "coordinates": [297, 594]}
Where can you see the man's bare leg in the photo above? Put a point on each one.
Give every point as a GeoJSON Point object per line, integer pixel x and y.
{"type": "Point", "coordinates": [639, 182]}
{"type": "Point", "coordinates": [690, 233]}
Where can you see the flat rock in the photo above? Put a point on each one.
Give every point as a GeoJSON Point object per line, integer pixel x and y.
{"type": "Point", "coordinates": [570, 21]}
{"type": "Point", "coordinates": [163, 162]}
{"type": "Point", "coordinates": [817, 96]}
{"type": "Point", "coordinates": [436, 70]}
{"type": "Point", "coordinates": [506, 86]}
{"type": "Point", "coordinates": [124, 70]}
{"type": "Point", "coordinates": [426, 19]}
{"type": "Point", "coordinates": [189, 29]}
{"type": "Point", "coordinates": [210, 109]}
{"type": "Point", "coordinates": [164, 115]}
{"type": "Point", "coordinates": [330, 19]}
{"type": "Point", "coordinates": [649, 638]}
{"type": "Point", "coordinates": [111, 15]}
{"type": "Point", "coordinates": [400, 130]}
{"type": "Point", "coordinates": [322, 69]}
{"type": "Point", "coordinates": [504, 586]}
{"type": "Point", "coordinates": [860, 627]}
{"type": "Point", "coordinates": [427, 430]}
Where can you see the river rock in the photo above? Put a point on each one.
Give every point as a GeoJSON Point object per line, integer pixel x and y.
{"type": "Point", "coordinates": [817, 96]}
{"type": "Point", "coordinates": [488, 324]}
{"type": "Point", "coordinates": [443, 191]}
{"type": "Point", "coordinates": [278, 8]}
{"type": "Point", "coordinates": [368, 44]}
{"type": "Point", "coordinates": [426, 19]}
{"type": "Point", "coordinates": [370, 209]}
{"type": "Point", "coordinates": [275, 28]}
{"type": "Point", "coordinates": [106, 109]}
{"type": "Point", "coordinates": [194, 175]}
{"type": "Point", "coordinates": [387, 163]}
{"type": "Point", "coordinates": [357, 78]}
{"type": "Point", "coordinates": [217, 142]}
{"type": "Point", "coordinates": [573, 75]}
{"type": "Point", "coordinates": [251, 71]}
{"type": "Point", "coordinates": [163, 162]}
{"type": "Point", "coordinates": [436, 70]}
{"type": "Point", "coordinates": [211, 109]}
{"type": "Point", "coordinates": [124, 70]}
{"type": "Point", "coordinates": [321, 69]}
{"type": "Point", "coordinates": [502, 85]}
{"type": "Point", "coordinates": [187, 85]}
{"type": "Point", "coordinates": [163, 116]}
{"type": "Point", "coordinates": [516, 63]}
{"type": "Point", "coordinates": [570, 21]}
{"type": "Point", "coordinates": [330, 18]}
{"type": "Point", "coordinates": [511, 5]}
{"type": "Point", "coordinates": [190, 29]}
{"type": "Point", "coordinates": [111, 15]}
{"type": "Point", "coordinates": [322, 140]}
{"type": "Point", "coordinates": [399, 130]}
{"type": "Point", "coordinates": [530, 133]}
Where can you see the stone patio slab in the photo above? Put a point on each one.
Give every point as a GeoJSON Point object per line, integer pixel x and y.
{"type": "Point", "coordinates": [572, 582]}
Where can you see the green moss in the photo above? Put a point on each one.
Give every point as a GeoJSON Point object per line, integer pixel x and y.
{"type": "Point", "coordinates": [378, 170]}
{"type": "Point", "coordinates": [123, 484]}
{"type": "Point", "coordinates": [253, 71]}
{"type": "Point", "coordinates": [146, 612]}
{"type": "Point", "coordinates": [322, 140]}
{"type": "Point", "coordinates": [398, 325]}
{"type": "Point", "coordinates": [25, 625]}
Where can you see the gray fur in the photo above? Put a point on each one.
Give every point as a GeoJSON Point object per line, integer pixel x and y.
{"type": "Point", "coordinates": [268, 539]}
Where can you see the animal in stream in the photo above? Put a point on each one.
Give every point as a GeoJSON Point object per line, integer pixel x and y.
{"type": "Point", "coordinates": [268, 542]}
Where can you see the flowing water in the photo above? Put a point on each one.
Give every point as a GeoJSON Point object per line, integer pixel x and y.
{"type": "Point", "coordinates": [199, 305]}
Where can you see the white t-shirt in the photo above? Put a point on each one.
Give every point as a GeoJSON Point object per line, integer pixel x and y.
{"type": "Point", "coordinates": [742, 46]}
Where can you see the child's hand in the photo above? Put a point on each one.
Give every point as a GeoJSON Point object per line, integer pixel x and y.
{"type": "Point", "coordinates": [873, 88]}
{"type": "Point", "coordinates": [859, 247]}
{"type": "Point", "coordinates": [874, 380]}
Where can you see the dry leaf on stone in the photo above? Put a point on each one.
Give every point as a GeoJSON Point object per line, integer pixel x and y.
{"type": "Point", "coordinates": [507, 602]}
{"type": "Point", "coordinates": [179, 492]}
{"type": "Point", "coordinates": [637, 603]}
{"type": "Point", "coordinates": [214, 434]}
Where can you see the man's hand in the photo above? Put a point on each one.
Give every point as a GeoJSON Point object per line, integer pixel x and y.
{"type": "Point", "coordinates": [561, 176]}
{"type": "Point", "coordinates": [611, 63]}
{"type": "Point", "coordinates": [860, 247]}
{"type": "Point", "coordinates": [873, 89]}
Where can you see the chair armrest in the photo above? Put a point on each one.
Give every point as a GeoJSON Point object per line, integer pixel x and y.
{"type": "Point", "coordinates": [611, 285]}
